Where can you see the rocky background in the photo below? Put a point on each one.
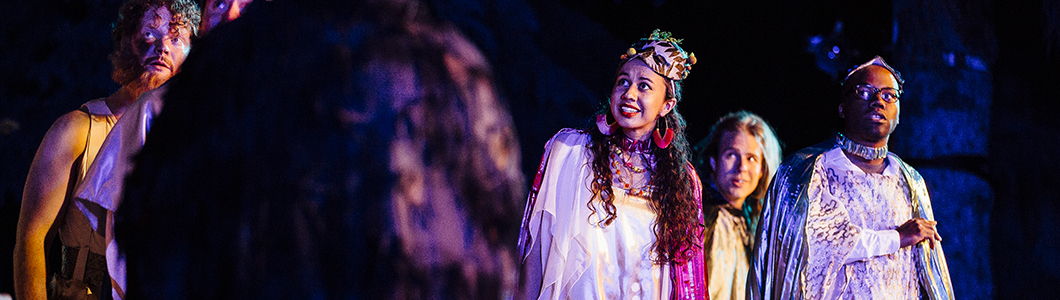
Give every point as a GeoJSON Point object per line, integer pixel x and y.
{"type": "Point", "coordinates": [979, 114]}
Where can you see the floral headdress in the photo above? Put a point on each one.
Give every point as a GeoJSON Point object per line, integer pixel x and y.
{"type": "Point", "coordinates": [663, 54]}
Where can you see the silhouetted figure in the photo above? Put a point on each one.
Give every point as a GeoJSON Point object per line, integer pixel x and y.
{"type": "Point", "coordinates": [325, 149]}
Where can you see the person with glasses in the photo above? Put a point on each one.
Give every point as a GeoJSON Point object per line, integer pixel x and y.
{"type": "Point", "coordinates": [846, 218]}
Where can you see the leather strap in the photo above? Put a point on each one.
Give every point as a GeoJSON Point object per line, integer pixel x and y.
{"type": "Point", "coordinates": [81, 261]}
{"type": "Point", "coordinates": [83, 265]}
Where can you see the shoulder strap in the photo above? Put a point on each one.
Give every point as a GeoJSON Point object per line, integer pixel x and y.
{"type": "Point", "coordinates": [83, 160]}
{"type": "Point", "coordinates": [100, 121]}
{"type": "Point", "coordinates": [80, 165]}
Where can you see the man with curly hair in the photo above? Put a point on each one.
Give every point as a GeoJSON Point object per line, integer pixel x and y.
{"type": "Point", "coordinates": [151, 39]}
{"type": "Point", "coordinates": [105, 180]}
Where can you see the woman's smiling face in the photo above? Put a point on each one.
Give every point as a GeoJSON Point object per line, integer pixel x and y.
{"type": "Point", "coordinates": [639, 98]}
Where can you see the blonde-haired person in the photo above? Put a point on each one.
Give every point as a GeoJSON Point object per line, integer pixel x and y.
{"type": "Point", "coordinates": [738, 159]}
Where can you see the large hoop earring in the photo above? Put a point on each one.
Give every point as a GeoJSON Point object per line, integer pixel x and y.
{"type": "Point", "coordinates": [601, 124]}
{"type": "Point", "coordinates": [663, 140]}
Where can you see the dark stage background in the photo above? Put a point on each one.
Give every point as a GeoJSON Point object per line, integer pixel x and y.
{"type": "Point", "coordinates": [979, 114]}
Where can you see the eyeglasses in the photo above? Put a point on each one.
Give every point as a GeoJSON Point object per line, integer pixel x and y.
{"type": "Point", "coordinates": [868, 92]}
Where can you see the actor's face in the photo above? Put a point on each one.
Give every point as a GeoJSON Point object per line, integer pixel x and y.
{"type": "Point", "coordinates": [161, 49]}
{"type": "Point", "coordinates": [737, 166]}
{"type": "Point", "coordinates": [218, 12]}
{"type": "Point", "coordinates": [870, 121]}
{"type": "Point", "coordinates": [638, 98]}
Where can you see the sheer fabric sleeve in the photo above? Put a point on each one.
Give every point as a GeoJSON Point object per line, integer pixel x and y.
{"type": "Point", "coordinates": [556, 218]}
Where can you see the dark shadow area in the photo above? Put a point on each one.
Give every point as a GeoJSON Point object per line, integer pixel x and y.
{"type": "Point", "coordinates": [978, 117]}
{"type": "Point", "coordinates": [1024, 142]}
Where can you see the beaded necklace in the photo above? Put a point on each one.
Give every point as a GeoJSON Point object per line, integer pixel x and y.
{"type": "Point", "coordinates": [631, 161]}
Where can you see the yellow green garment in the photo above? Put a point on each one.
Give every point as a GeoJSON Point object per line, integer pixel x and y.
{"type": "Point", "coordinates": [779, 262]}
{"type": "Point", "coordinates": [729, 234]}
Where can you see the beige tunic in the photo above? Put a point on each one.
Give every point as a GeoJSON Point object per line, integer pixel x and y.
{"type": "Point", "coordinates": [728, 257]}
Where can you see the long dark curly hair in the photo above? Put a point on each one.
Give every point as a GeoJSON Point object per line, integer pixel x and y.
{"type": "Point", "coordinates": [672, 200]}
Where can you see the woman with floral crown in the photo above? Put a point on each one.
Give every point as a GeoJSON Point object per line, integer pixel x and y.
{"type": "Point", "coordinates": [614, 212]}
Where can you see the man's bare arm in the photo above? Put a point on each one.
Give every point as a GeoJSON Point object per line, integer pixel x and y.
{"type": "Point", "coordinates": [42, 198]}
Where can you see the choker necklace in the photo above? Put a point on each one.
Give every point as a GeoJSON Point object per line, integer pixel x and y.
{"type": "Point", "coordinates": [634, 146]}
{"type": "Point", "coordinates": [866, 152]}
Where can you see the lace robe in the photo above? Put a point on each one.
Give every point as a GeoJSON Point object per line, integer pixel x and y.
{"type": "Point", "coordinates": [846, 209]}
{"type": "Point", "coordinates": [781, 259]}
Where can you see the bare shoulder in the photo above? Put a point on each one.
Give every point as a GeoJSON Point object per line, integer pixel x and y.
{"type": "Point", "coordinates": [50, 170]}
{"type": "Point", "coordinates": [67, 134]}
{"type": "Point", "coordinates": [71, 118]}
